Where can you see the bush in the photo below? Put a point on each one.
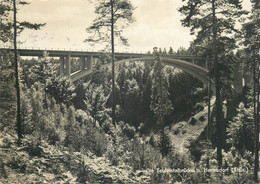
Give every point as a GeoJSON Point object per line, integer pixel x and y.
{"type": "Point", "coordinates": [192, 121]}
{"type": "Point", "coordinates": [202, 118]}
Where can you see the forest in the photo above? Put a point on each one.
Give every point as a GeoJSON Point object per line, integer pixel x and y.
{"type": "Point", "coordinates": [135, 122]}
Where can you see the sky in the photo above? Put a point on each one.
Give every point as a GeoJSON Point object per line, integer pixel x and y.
{"type": "Point", "coordinates": [157, 24]}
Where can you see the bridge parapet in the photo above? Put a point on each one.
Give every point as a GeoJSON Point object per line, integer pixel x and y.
{"type": "Point", "coordinates": [119, 55]}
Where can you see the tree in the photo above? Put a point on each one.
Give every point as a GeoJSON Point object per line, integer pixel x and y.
{"type": "Point", "coordinates": [160, 104]}
{"type": "Point", "coordinates": [182, 51]}
{"type": "Point", "coordinates": [252, 43]}
{"type": "Point", "coordinates": [95, 101]}
{"type": "Point", "coordinates": [7, 25]}
{"type": "Point", "coordinates": [61, 89]}
{"type": "Point", "coordinates": [170, 51]}
{"type": "Point", "coordinates": [130, 101]}
{"type": "Point", "coordinates": [18, 100]}
{"type": "Point", "coordinates": [7, 35]}
{"type": "Point", "coordinates": [110, 13]}
{"type": "Point", "coordinates": [42, 71]}
{"type": "Point", "coordinates": [213, 22]}
{"type": "Point", "coordinates": [164, 142]}
{"type": "Point", "coordinates": [7, 91]}
{"type": "Point", "coordinates": [73, 131]}
{"type": "Point", "coordinates": [164, 51]}
{"type": "Point", "coordinates": [58, 87]}
{"type": "Point", "coordinates": [240, 130]}
{"type": "Point", "coordinates": [144, 155]}
{"type": "Point", "coordinates": [79, 95]}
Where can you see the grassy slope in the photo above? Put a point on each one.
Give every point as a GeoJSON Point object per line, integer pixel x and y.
{"type": "Point", "coordinates": [182, 132]}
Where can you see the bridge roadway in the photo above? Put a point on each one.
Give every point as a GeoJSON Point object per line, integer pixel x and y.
{"type": "Point", "coordinates": [118, 55]}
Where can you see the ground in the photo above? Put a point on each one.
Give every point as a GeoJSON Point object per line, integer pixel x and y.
{"type": "Point", "coordinates": [183, 131]}
{"type": "Point", "coordinates": [59, 165]}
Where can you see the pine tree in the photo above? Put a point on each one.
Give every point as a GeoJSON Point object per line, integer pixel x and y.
{"type": "Point", "coordinates": [164, 51]}
{"type": "Point", "coordinates": [79, 95]}
{"type": "Point", "coordinates": [164, 143]}
{"type": "Point", "coordinates": [213, 23]}
{"type": "Point", "coordinates": [37, 114]}
{"type": "Point", "coordinates": [95, 101]}
{"type": "Point", "coordinates": [8, 31]}
{"type": "Point", "coordinates": [170, 51]}
{"type": "Point", "coordinates": [182, 51]}
{"type": "Point", "coordinates": [251, 40]}
{"type": "Point", "coordinates": [240, 130]}
{"type": "Point", "coordinates": [7, 91]}
{"type": "Point", "coordinates": [72, 129]}
{"type": "Point", "coordinates": [43, 69]}
{"type": "Point", "coordinates": [131, 99]}
{"type": "Point", "coordinates": [123, 11]}
{"type": "Point", "coordinates": [110, 13]}
{"type": "Point", "coordinates": [61, 89]}
{"type": "Point", "coordinates": [160, 104]}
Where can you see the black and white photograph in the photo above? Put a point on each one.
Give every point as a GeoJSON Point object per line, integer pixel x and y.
{"type": "Point", "coordinates": [129, 91]}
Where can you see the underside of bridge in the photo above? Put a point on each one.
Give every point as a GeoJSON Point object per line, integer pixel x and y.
{"type": "Point", "coordinates": [191, 68]}
{"type": "Point", "coordinates": [198, 72]}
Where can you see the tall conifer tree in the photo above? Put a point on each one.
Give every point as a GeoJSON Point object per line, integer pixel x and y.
{"type": "Point", "coordinates": [8, 30]}
{"type": "Point", "coordinates": [251, 41]}
{"type": "Point", "coordinates": [160, 102]}
{"type": "Point", "coordinates": [110, 16]}
{"type": "Point", "coordinates": [213, 23]}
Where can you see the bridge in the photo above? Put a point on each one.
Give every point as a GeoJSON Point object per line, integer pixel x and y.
{"type": "Point", "coordinates": [194, 65]}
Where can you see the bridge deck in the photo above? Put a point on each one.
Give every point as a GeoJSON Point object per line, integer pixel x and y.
{"type": "Point", "coordinates": [120, 55]}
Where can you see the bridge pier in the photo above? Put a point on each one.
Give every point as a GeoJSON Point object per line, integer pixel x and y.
{"type": "Point", "coordinates": [61, 65]}
{"type": "Point", "coordinates": [89, 62]}
{"type": "Point", "coordinates": [68, 66]}
{"type": "Point", "coordinates": [82, 63]}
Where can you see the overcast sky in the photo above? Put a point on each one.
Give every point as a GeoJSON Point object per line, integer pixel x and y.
{"type": "Point", "coordinates": [157, 24]}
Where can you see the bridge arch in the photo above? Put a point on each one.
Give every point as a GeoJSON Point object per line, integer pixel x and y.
{"type": "Point", "coordinates": [198, 72]}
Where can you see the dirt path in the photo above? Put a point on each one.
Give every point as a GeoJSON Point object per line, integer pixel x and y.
{"type": "Point", "coordinates": [182, 146]}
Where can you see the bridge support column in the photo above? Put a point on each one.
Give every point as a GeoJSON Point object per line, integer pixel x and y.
{"type": "Point", "coordinates": [238, 79]}
{"type": "Point", "coordinates": [62, 65]}
{"type": "Point", "coordinates": [82, 63]}
{"type": "Point", "coordinates": [89, 62]}
{"type": "Point", "coordinates": [68, 67]}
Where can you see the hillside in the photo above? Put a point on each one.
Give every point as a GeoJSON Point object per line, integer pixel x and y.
{"type": "Point", "coordinates": [59, 165]}
{"type": "Point", "coordinates": [184, 131]}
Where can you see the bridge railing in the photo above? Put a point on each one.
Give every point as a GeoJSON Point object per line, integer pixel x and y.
{"type": "Point", "coordinates": [87, 50]}
{"type": "Point", "coordinates": [66, 49]}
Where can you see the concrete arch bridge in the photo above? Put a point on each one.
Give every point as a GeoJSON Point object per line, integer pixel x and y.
{"type": "Point", "coordinates": [196, 66]}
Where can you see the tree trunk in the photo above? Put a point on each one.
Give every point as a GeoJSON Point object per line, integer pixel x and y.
{"type": "Point", "coordinates": [113, 62]}
{"type": "Point", "coordinates": [18, 115]}
{"type": "Point", "coordinates": [256, 167]}
{"type": "Point", "coordinates": [209, 98]}
{"type": "Point", "coordinates": [209, 118]}
{"type": "Point", "coordinates": [219, 126]}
